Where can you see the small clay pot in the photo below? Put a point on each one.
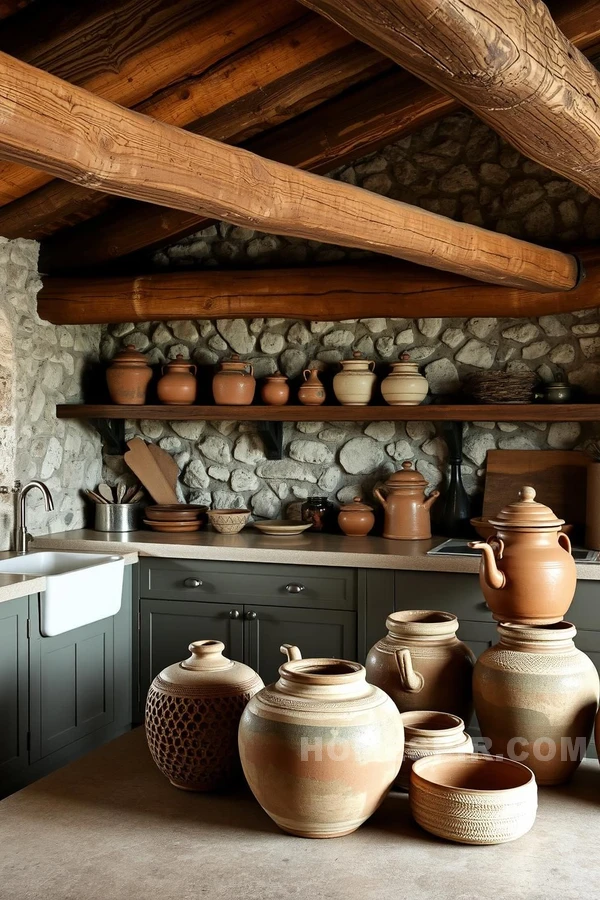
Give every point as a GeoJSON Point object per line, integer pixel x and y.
{"type": "Point", "coordinates": [275, 390]}
{"type": "Point", "coordinates": [312, 392]}
{"type": "Point", "coordinates": [354, 385]}
{"type": "Point", "coordinates": [178, 386]}
{"type": "Point", "coordinates": [356, 519]}
{"type": "Point", "coordinates": [427, 733]}
{"type": "Point", "coordinates": [404, 386]}
{"type": "Point", "coordinates": [128, 377]}
{"type": "Point", "coordinates": [234, 384]}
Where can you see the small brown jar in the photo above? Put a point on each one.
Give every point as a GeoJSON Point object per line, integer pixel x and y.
{"type": "Point", "coordinates": [275, 390]}
{"type": "Point", "coordinates": [177, 386]}
{"type": "Point", "coordinates": [128, 377]}
{"type": "Point", "coordinates": [356, 519]}
{"type": "Point", "coordinates": [234, 384]}
{"type": "Point", "coordinates": [312, 392]}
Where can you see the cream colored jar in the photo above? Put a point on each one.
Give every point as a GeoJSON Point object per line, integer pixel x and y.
{"type": "Point", "coordinates": [404, 386]}
{"type": "Point", "coordinates": [353, 386]}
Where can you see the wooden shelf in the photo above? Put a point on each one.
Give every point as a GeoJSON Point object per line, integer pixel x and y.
{"type": "Point", "coordinates": [538, 412]}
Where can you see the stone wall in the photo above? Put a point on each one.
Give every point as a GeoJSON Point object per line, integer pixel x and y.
{"type": "Point", "coordinates": [41, 365]}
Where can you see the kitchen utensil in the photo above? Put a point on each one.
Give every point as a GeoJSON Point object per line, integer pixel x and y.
{"type": "Point", "coordinates": [139, 495]}
{"type": "Point", "coordinates": [282, 527]}
{"type": "Point", "coordinates": [166, 464]}
{"type": "Point", "coordinates": [119, 517]}
{"type": "Point", "coordinates": [228, 521]}
{"type": "Point", "coordinates": [173, 512]}
{"type": "Point", "coordinates": [406, 507]}
{"type": "Point", "coordinates": [121, 491]}
{"type": "Point", "coordinates": [106, 492]}
{"type": "Point", "coordinates": [174, 527]}
{"type": "Point", "coordinates": [143, 464]}
{"type": "Point", "coordinates": [131, 492]}
{"type": "Point", "coordinates": [94, 496]}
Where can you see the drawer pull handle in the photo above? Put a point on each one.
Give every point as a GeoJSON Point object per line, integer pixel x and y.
{"type": "Point", "coordinates": [295, 588]}
{"type": "Point", "coordinates": [192, 582]}
{"type": "Point", "coordinates": [251, 615]}
{"type": "Point", "coordinates": [234, 613]}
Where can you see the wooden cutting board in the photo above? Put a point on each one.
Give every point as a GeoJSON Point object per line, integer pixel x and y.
{"type": "Point", "coordinates": [166, 464]}
{"type": "Point", "coordinates": [559, 477]}
{"type": "Point", "coordinates": [141, 461]}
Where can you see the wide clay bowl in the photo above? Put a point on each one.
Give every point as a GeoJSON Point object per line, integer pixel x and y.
{"type": "Point", "coordinates": [483, 527]}
{"type": "Point", "coordinates": [175, 512]}
{"type": "Point", "coordinates": [473, 798]}
{"type": "Point", "coordinates": [228, 521]}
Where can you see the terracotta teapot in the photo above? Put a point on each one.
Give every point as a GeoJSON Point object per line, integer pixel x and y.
{"type": "Point", "coordinates": [527, 573]}
{"type": "Point", "coordinates": [128, 376]}
{"type": "Point", "coordinates": [406, 507]}
{"type": "Point", "coordinates": [234, 384]}
{"type": "Point", "coordinates": [178, 383]}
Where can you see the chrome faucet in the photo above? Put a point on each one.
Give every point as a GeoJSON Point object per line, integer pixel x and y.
{"type": "Point", "coordinates": [23, 537]}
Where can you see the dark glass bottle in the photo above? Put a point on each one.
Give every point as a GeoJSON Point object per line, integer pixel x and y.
{"type": "Point", "coordinates": [320, 512]}
{"type": "Point", "coordinates": [455, 507]}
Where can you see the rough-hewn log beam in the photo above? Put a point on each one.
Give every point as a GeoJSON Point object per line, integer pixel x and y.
{"type": "Point", "coordinates": [507, 61]}
{"type": "Point", "coordinates": [323, 293]}
{"type": "Point", "coordinates": [75, 135]}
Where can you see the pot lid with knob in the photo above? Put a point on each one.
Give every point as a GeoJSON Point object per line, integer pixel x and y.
{"type": "Point", "coordinates": [526, 513]}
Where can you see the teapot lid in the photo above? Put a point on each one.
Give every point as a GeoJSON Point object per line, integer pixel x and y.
{"type": "Point", "coordinates": [406, 477]}
{"type": "Point", "coordinates": [130, 354]}
{"type": "Point", "coordinates": [526, 513]}
{"type": "Point", "coordinates": [356, 504]}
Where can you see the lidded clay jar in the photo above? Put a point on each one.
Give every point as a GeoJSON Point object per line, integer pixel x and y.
{"type": "Point", "coordinates": [275, 390]}
{"type": "Point", "coordinates": [527, 573]}
{"type": "Point", "coordinates": [353, 386]}
{"type": "Point", "coordinates": [128, 377]}
{"type": "Point", "coordinates": [406, 507]}
{"type": "Point", "coordinates": [356, 519]}
{"type": "Point", "coordinates": [178, 383]}
{"type": "Point", "coordinates": [192, 715]}
{"type": "Point", "coordinates": [427, 733]}
{"type": "Point", "coordinates": [312, 392]}
{"type": "Point", "coordinates": [234, 384]}
{"type": "Point", "coordinates": [404, 386]}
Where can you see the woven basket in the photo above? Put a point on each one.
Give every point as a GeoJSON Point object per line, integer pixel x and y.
{"type": "Point", "coordinates": [502, 387]}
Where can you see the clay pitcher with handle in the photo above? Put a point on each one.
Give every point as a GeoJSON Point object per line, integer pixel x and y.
{"type": "Point", "coordinates": [406, 506]}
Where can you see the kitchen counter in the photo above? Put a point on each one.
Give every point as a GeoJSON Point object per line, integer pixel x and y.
{"type": "Point", "coordinates": [111, 826]}
{"type": "Point", "coordinates": [304, 549]}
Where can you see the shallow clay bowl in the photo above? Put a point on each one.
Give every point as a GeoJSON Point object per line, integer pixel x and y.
{"type": "Point", "coordinates": [473, 798]}
{"type": "Point", "coordinates": [228, 521]}
{"type": "Point", "coordinates": [174, 527]}
{"type": "Point", "coordinates": [174, 512]}
{"type": "Point", "coordinates": [483, 528]}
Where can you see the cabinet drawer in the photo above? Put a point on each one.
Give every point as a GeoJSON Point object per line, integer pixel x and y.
{"type": "Point", "coordinates": [239, 583]}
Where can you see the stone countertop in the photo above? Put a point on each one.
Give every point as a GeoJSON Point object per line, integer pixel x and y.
{"type": "Point", "coordinates": [111, 826]}
{"type": "Point", "coordinates": [304, 549]}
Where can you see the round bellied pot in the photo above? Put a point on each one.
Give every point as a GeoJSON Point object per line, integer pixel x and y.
{"type": "Point", "coordinates": [536, 697]}
{"type": "Point", "coordinates": [527, 573]}
{"type": "Point", "coordinates": [356, 519]}
{"type": "Point", "coordinates": [275, 390]}
{"type": "Point", "coordinates": [178, 384]}
{"type": "Point", "coordinates": [321, 747]}
{"type": "Point", "coordinates": [404, 386]}
{"type": "Point", "coordinates": [128, 377]}
{"type": "Point", "coordinates": [406, 506]}
{"type": "Point", "coordinates": [427, 733]}
{"type": "Point", "coordinates": [421, 663]}
{"type": "Point", "coordinates": [312, 392]}
{"type": "Point", "coordinates": [353, 386]}
{"type": "Point", "coordinates": [234, 384]}
{"type": "Point", "coordinates": [192, 716]}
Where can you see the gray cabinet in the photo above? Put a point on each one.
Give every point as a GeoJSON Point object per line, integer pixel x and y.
{"type": "Point", "coordinates": [14, 685]}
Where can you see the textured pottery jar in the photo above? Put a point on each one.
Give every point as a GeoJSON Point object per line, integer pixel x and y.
{"type": "Point", "coordinates": [128, 377]}
{"type": "Point", "coordinates": [178, 386]}
{"type": "Point", "coordinates": [536, 697]}
{"type": "Point", "coordinates": [527, 573]}
{"type": "Point", "coordinates": [356, 519]}
{"type": "Point", "coordinates": [234, 384]}
{"type": "Point", "coordinates": [321, 747]}
{"type": "Point", "coordinates": [406, 506]}
{"type": "Point", "coordinates": [404, 386]}
{"type": "Point", "coordinates": [312, 392]}
{"type": "Point", "coordinates": [592, 511]}
{"type": "Point", "coordinates": [353, 386]}
{"type": "Point", "coordinates": [472, 798]}
{"type": "Point", "coordinates": [275, 390]}
{"type": "Point", "coordinates": [192, 716]}
{"type": "Point", "coordinates": [427, 733]}
{"type": "Point", "coordinates": [421, 663]}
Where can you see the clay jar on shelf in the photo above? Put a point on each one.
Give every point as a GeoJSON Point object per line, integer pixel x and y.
{"type": "Point", "coordinates": [178, 386]}
{"type": "Point", "coordinates": [128, 377]}
{"type": "Point", "coordinates": [275, 390]}
{"type": "Point", "coordinates": [192, 716]}
{"type": "Point", "coordinates": [321, 747]}
{"type": "Point", "coordinates": [404, 386]}
{"type": "Point", "coordinates": [527, 573]}
{"type": "Point", "coordinates": [234, 384]}
{"type": "Point", "coordinates": [406, 506]}
{"type": "Point", "coordinates": [356, 519]}
{"type": "Point", "coordinates": [312, 392]}
{"type": "Point", "coordinates": [422, 665]}
{"type": "Point", "coordinates": [353, 386]}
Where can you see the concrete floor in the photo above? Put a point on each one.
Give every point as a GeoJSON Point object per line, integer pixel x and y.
{"type": "Point", "coordinates": [110, 827]}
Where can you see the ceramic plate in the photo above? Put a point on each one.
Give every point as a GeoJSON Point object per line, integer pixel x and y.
{"type": "Point", "coordinates": [282, 526]}
{"type": "Point", "coordinates": [173, 527]}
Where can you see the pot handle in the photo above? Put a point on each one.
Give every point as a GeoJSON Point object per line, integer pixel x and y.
{"type": "Point", "coordinates": [377, 493]}
{"type": "Point", "coordinates": [409, 679]}
{"type": "Point", "coordinates": [249, 368]}
{"type": "Point", "coordinates": [306, 374]}
{"type": "Point", "coordinates": [291, 651]}
{"type": "Point", "coordinates": [499, 545]}
{"type": "Point", "coordinates": [564, 541]}
{"type": "Point", "coordinates": [195, 369]}
{"type": "Point", "coordinates": [372, 365]}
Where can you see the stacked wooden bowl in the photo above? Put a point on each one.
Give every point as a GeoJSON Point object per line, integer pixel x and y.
{"type": "Point", "coordinates": [175, 518]}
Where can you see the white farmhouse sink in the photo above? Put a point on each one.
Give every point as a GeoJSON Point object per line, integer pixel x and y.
{"type": "Point", "coordinates": [80, 587]}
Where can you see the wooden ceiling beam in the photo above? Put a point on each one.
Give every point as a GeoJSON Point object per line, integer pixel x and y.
{"type": "Point", "coordinates": [75, 135]}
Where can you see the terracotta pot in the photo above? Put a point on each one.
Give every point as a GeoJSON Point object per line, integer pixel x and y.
{"type": "Point", "coordinates": [421, 663]}
{"type": "Point", "coordinates": [128, 377]}
{"type": "Point", "coordinates": [404, 386]}
{"type": "Point", "coordinates": [312, 392]}
{"type": "Point", "coordinates": [234, 384]}
{"type": "Point", "coordinates": [178, 384]}
{"type": "Point", "coordinates": [527, 573]}
{"type": "Point", "coordinates": [353, 386]}
{"type": "Point", "coordinates": [536, 686]}
{"type": "Point", "coordinates": [356, 519]}
{"type": "Point", "coordinates": [320, 747]}
{"type": "Point", "coordinates": [275, 390]}
{"type": "Point", "coordinates": [406, 506]}
{"type": "Point", "coordinates": [592, 514]}
{"type": "Point", "coordinates": [192, 716]}
{"type": "Point", "coordinates": [428, 733]}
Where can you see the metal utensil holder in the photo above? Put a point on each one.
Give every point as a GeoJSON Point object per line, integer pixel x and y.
{"type": "Point", "coordinates": [120, 517]}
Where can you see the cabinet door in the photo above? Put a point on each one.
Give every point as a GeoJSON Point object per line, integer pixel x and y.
{"type": "Point", "coordinates": [449, 591]}
{"type": "Point", "coordinates": [324, 632]}
{"type": "Point", "coordinates": [13, 690]}
{"type": "Point", "coordinates": [477, 635]}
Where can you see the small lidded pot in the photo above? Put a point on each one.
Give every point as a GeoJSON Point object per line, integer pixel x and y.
{"type": "Point", "coordinates": [427, 733]}
{"type": "Point", "coordinates": [356, 519]}
{"type": "Point", "coordinates": [353, 386]}
{"type": "Point", "coordinates": [275, 390]}
{"type": "Point", "coordinates": [557, 392]}
{"type": "Point", "coordinates": [406, 506]}
{"type": "Point", "coordinates": [404, 386]}
{"type": "Point", "coordinates": [312, 392]}
{"type": "Point", "coordinates": [177, 386]}
{"type": "Point", "coordinates": [234, 384]}
{"type": "Point", "coordinates": [128, 377]}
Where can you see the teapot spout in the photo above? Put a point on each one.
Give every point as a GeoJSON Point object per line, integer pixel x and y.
{"type": "Point", "coordinates": [492, 575]}
{"type": "Point", "coordinates": [431, 499]}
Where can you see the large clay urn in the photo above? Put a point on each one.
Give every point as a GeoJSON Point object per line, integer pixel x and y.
{"type": "Point", "coordinates": [536, 697]}
{"type": "Point", "coordinates": [527, 573]}
{"type": "Point", "coordinates": [353, 386]}
{"type": "Point", "coordinates": [177, 386]}
{"type": "Point", "coordinates": [406, 506]}
{"type": "Point", "coordinates": [234, 384]}
{"type": "Point", "coordinates": [321, 747]}
{"type": "Point", "coordinates": [128, 377]}
{"type": "Point", "coordinates": [422, 665]}
{"type": "Point", "coordinates": [192, 715]}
